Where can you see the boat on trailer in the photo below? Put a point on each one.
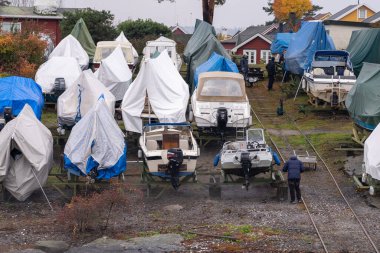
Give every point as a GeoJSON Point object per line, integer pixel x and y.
{"type": "Point", "coordinates": [248, 157]}
{"type": "Point", "coordinates": [170, 151]}
{"type": "Point", "coordinates": [220, 104]}
{"type": "Point", "coordinates": [329, 78]}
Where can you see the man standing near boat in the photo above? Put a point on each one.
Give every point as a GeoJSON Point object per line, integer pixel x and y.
{"type": "Point", "coordinates": [271, 69]}
{"type": "Point", "coordinates": [294, 167]}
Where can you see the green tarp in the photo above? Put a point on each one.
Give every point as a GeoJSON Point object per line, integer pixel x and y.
{"type": "Point", "coordinates": [200, 47]}
{"type": "Point", "coordinates": [363, 100]}
{"type": "Point", "coordinates": [364, 47]}
{"type": "Point", "coordinates": [81, 33]}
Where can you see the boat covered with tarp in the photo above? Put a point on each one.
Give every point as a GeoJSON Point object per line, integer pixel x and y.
{"type": "Point", "coordinates": [105, 48]}
{"type": "Point", "coordinates": [81, 33]}
{"type": "Point", "coordinates": [115, 74]}
{"type": "Point", "coordinates": [123, 38]}
{"type": "Point", "coordinates": [160, 84]}
{"type": "Point", "coordinates": [364, 47]}
{"type": "Point", "coordinates": [216, 62]}
{"type": "Point", "coordinates": [281, 43]}
{"type": "Point", "coordinates": [154, 47]}
{"type": "Point", "coordinates": [329, 78]}
{"type": "Point", "coordinates": [26, 154]}
{"type": "Point", "coordinates": [310, 38]}
{"type": "Point", "coordinates": [16, 92]}
{"type": "Point", "coordinates": [96, 146]}
{"type": "Point", "coordinates": [363, 100]}
{"type": "Point", "coordinates": [371, 161]}
{"type": "Point", "coordinates": [70, 47]}
{"type": "Point", "coordinates": [201, 45]}
{"type": "Point", "coordinates": [78, 99]}
{"type": "Point", "coordinates": [58, 74]}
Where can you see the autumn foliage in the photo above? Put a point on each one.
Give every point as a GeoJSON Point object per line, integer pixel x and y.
{"type": "Point", "coordinates": [20, 54]}
{"type": "Point", "coordinates": [282, 8]}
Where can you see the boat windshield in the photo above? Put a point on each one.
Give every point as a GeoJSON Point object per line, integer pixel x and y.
{"type": "Point", "coordinates": [255, 135]}
{"type": "Point", "coordinates": [153, 50]}
{"type": "Point", "coordinates": [218, 87]}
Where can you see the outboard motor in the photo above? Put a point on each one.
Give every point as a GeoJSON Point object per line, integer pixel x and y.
{"type": "Point", "coordinates": [246, 165]}
{"type": "Point", "coordinates": [59, 86]}
{"type": "Point", "coordinates": [175, 157]}
{"type": "Point", "coordinates": [221, 119]}
{"type": "Point", "coordinates": [8, 114]}
{"type": "Point", "coordinates": [334, 99]}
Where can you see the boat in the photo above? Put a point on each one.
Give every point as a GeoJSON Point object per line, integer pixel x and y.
{"type": "Point", "coordinates": [219, 103]}
{"type": "Point", "coordinates": [155, 47]}
{"type": "Point", "coordinates": [371, 161]}
{"type": "Point", "coordinates": [330, 77]}
{"type": "Point", "coordinates": [169, 150]}
{"type": "Point", "coordinates": [246, 158]}
{"type": "Point", "coordinates": [105, 48]}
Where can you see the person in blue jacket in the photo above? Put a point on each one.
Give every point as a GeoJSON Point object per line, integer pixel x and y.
{"type": "Point", "coordinates": [294, 167]}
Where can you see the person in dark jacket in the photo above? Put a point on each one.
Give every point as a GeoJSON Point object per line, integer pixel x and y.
{"type": "Point", "coordinates": [271, 69]}
{"type": "Point", "coordinates": [244, 66]}
{"type": "Point", "coordinates": [294, 167]}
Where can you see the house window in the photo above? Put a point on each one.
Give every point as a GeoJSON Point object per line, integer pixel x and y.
{"type": "Point", "coordinates": [251, 56]}
{"type": "Point", "coordinates": [10, 27]}
{"type": "Point", "coordinates": [362, 13]}
{"type": "Point", "coordinates": [265, 56]}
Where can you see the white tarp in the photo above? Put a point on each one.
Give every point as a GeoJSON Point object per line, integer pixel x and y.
{"type": "Point", "coordinates": [26, 153]}
{"type": "Point", "coordinates": [157, 46]}
{"type": "Point", "coordinates": [46, 7]}
{"type": "Point", "coordinates": [167, 92]}
{"type": "Point", "coordinates": [70, 47]}
{"type": "Point", "coordinates": [122, 38]}
{"type": "Point", "coordinates": [115, 74]}
{"type": "Point", "coordinates": [57, 67]}
{"type": "Point", "coordinates": [372, 154]}
{"type": "Point", "coordinates": [78, 99]}
{"type": "Point", "coordinates": [97, 135]}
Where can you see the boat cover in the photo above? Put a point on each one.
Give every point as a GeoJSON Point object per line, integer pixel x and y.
{"type": "Point", "coordinates": [364, 47]}
{"type": "Point", "coordinates": [17, 91]}
{"type": "Point", "coordinates": [363, 100]}
{"type": "Point", "coordinates": [310, 38]}
{"type": "Point", "coordinates": [78, 99]}
{"type": "Point", "coordinates": [216, 62]}
{"type": "Point", "coordinates": [96, 142]}
{"type": "Point", "coordinates": [81, 33]}
{"type": "Point", "coordinates": [122, 38]}
{"type": "Point", "coordinates": [201, 45]}
{"type": "Point", "coordinates": [281, 43]}
{"type": "Point", "coordinates": [115, 74]}
{"type": "Point", "coordinates": [70, 47]}
{"type": "Point", "coordinates": [26, 154]}
{"type": "Point", "coordinates": [371, 154]}
{"type": "Point", "coordinates": [57, 67]}
{"type": "Point", "coordinates": [167, 92]}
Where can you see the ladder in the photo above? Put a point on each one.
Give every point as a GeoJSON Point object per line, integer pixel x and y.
{"type": "Point", "coordinates": [240, 131]}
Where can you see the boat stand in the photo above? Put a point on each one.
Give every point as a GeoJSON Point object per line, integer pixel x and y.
{"type": "Point", "coordinates": [359, 135]}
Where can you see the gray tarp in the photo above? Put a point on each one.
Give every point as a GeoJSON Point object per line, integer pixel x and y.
{"type": "Point", "coordinates": [363, 100]}
{"type": "Point", "coordinates": [200, 47]}
{"type": "Point", "coordinates": [26, 153]}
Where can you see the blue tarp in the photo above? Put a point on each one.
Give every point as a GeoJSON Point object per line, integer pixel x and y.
{"type": "Point", "coordinates": [281, 43]}
{"type": "Point", "coordinates": [216, 62]}
{"type": "Point", "coordinates": [17, 91]}
{"type": "Point", "coordinates": [310, 38]}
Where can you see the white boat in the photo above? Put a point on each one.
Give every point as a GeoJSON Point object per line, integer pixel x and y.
{"type": "Point", "coordinates": [169, 151]}
{"type": "Point", "coordinates": [330, 78]}
{"type": "Point", "coordinates": [155, 47]}
{"type": "Point", "coordinates": [220, 103]}
{"type": "Point", "coordinates": [248, 157]}
{"type": "Point", "coordinates": [105, 48]}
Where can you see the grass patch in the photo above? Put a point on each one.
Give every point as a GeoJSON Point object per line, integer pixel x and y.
{"type": "Point", "coordinates": [148, 233]}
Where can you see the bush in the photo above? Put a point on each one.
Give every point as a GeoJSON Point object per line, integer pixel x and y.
{"type": "Point", "coordinates": [21, 54]}
{"type": "Point", "coordinates": [84, 213]}
{"type": "Point", "coordinates": [138, 29]}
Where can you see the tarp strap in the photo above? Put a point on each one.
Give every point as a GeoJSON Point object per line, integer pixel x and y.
{"type": "Point", "coordinates": [79, 116]}
{"type": "Point", "coordinates": [42, 189]}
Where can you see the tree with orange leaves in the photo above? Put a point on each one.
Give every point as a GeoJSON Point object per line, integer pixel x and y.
{"type": "Point", "coordinates": [282, 8]}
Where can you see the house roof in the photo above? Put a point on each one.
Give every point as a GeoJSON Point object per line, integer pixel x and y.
{"type": "Point", "coordinates": [25, 12]}
{"type": "Point", "coordinates": [322, 16]}
{"type": "Point", "coordinates": [344, 12]}
{"type": "Point", "coordinates": [230, 40]}
{"type": "Point", "coordinates": [373, 19]}
{"type": "Point", "coordinates": [252, 31]}
{"type": "Point", "coordinates": [183, 29]}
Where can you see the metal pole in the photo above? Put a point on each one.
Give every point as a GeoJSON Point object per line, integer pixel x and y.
{"type": "Point", "coordinates": [283, 78]}
{"type": "Point", "coordinates": [298, 89]}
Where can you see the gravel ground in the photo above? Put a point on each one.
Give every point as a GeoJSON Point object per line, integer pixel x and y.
{"type": "Point", "coordinates": [245, 221]}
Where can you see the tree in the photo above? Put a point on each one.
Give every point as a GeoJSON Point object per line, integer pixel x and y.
{"type": "Point", "coordinates": [99, 23]}
{"type": "Point", "coordinates": [282, 8]}
{"type": "Point", "coordinates": [310, 13]}
{"type": "Point", "coordinates": [208, 7]}
{"type": "Point", "coordinates": [137, 29]}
